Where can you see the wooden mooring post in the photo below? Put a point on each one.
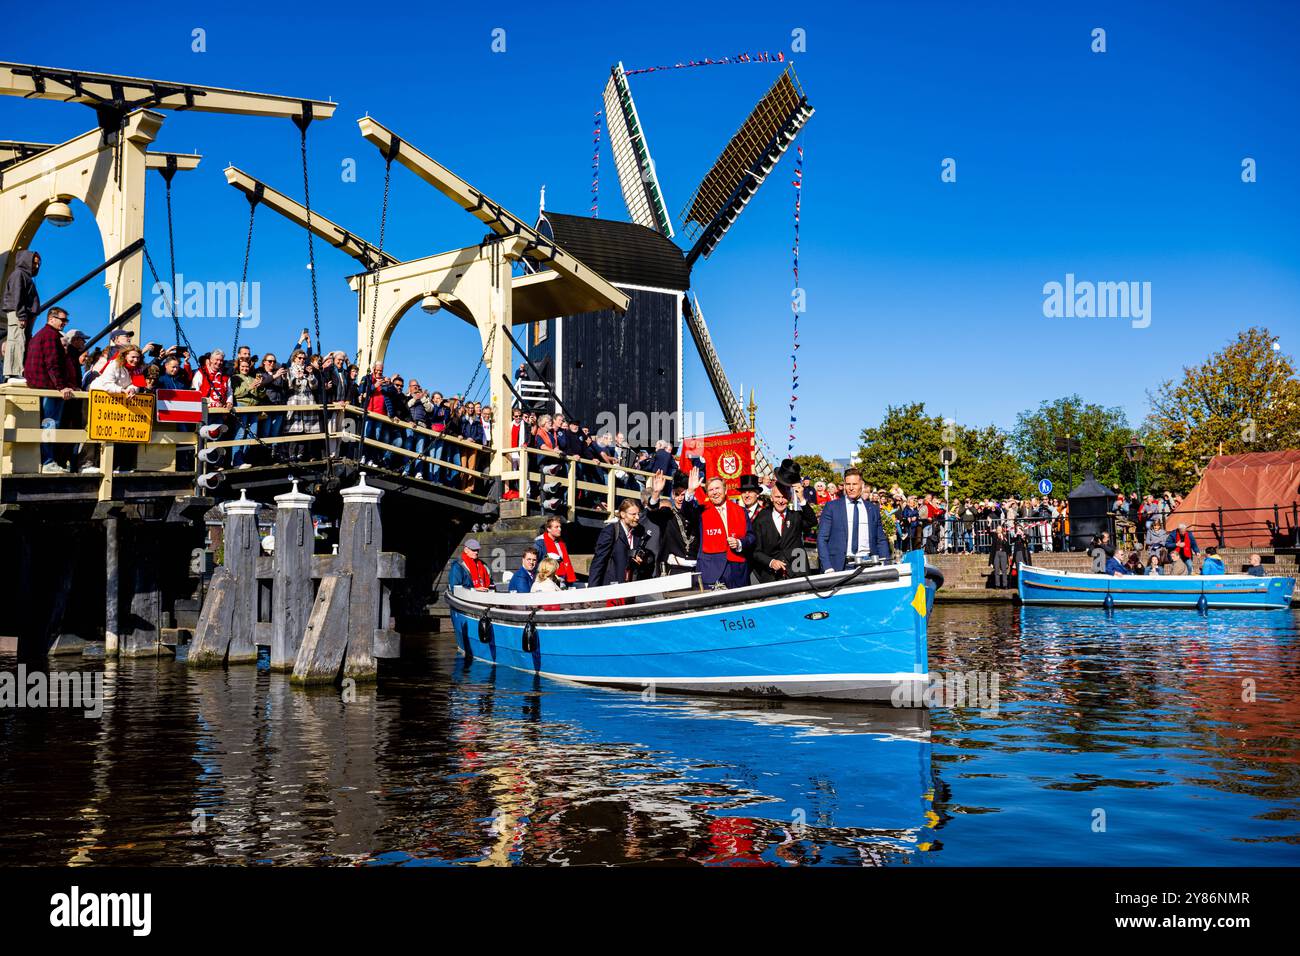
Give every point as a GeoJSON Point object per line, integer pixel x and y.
{"type": "Point", "coordinates": [350, 623]}
{"type": "Point", "coordinates": [227, 625]}
{"type": "Point", "coordinates": [320, 635]}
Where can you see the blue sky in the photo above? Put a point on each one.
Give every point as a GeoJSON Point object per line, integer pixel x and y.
{"type": "Point", "coordinates": [1120, 166]}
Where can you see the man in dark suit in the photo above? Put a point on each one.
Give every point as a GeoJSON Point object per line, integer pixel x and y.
{"type": "Point", "coordinates": [778, 533]}
{"type": "Point", "coordinates": [677, 518]}
{"type": "Point", "coordinates": [615, 559]}
{"type": "Point", "coordinates": [850, 525]}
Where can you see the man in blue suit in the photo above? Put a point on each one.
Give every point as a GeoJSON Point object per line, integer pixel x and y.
{"type": "Point", "coordinates": [849, 525]}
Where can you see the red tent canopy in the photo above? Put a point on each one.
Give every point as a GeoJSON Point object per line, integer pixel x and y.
{"type": "Point", "coordinates": [1246, 487]}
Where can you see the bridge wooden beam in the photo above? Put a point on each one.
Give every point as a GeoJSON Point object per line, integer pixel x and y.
{"type": "Point", "coordinates": [359, 249]}
{"type": "Point", "coordinates": [109, 90]}
{"type": "Point", "coordinates": [15, 151]}
{"type": "Point", "coordinates": [497, 218]}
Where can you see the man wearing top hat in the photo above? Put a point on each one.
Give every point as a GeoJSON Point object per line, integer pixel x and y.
{"type": "Point", "coordinates": [751, 494]}
{"type": "Point", "coordinates": [779, 529]}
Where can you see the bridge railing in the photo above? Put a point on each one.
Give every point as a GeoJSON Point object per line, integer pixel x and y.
{"type": "Point", "coordinates": [356, 434]}
{"type": "Point", "coordinates": [526, 475]}
{"type": "Point", "coordinates": [23, 438]}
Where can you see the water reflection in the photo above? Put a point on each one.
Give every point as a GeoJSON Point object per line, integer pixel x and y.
{"type": "Point", "coordinates": [1181, 730]}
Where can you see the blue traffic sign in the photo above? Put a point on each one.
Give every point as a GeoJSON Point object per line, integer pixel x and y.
{"type": "Point", "coordinates": [1045, 486]}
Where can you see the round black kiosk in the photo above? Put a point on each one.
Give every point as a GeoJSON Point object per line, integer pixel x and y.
{"type": "Point", "coordinates": [1089, 512]}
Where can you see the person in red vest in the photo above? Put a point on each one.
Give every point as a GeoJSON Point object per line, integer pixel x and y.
{"type": "Point", "coordinates": [726, 535]}
{"type": "Point", "coordinates": [550, 544]}
{"type": "Point", "coordinates": [1182, 545]}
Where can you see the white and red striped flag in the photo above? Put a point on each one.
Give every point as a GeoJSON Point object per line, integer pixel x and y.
{"type": "Point", "coordinates": [179, 406]}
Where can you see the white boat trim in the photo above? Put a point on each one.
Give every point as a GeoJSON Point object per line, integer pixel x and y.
{"type": "Point", "coordinates": [675, 585]}
{"type": "Point", "coordinates": [542, 622]}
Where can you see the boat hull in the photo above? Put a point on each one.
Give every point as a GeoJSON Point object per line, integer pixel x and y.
{"type": "Point", "coordinates": [863, 642]}
{"type": "Point", "coordinates": [1223, 591]}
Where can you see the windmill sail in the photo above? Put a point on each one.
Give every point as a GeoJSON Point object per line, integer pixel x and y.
{"type": "Point", "coordinates": [733, 412]}
{"type": "Point", "coordinates": [745, 162]}
{"type": "Point", "coordinates": [636, 171]}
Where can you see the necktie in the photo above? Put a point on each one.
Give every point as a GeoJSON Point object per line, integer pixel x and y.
{"type": "Point", "coordinates": [853, 536]}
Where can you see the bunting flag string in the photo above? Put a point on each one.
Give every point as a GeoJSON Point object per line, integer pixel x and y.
{"type": "Point", "coordinates": [797, 300]}
{"type": "Point", "coordinates": [722, 61]}
{"type": "Point", "coordinates": [595, 165]}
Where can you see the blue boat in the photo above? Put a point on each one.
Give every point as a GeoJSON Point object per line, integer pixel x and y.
{"type": "Point", "coordinates": [1044, 586]}
{"type": "Point", "coordinates": [851, 635]}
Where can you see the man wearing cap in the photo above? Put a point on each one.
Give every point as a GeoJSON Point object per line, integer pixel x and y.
{"type": "Point", "coordinates": [119, 340]}
{"type": "Point", "coordinates": [469, 571]}
{"type": "Point", "coordinates": [49, 365]}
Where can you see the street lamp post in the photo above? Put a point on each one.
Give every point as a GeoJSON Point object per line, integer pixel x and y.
{"type": "Point", "coordinates": [1069, 445]}
{"type": "Point", "coordinates": [1135, 451]}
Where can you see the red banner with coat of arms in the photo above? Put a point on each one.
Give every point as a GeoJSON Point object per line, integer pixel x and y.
{"type": "Point", "coordinates": [725, 456]}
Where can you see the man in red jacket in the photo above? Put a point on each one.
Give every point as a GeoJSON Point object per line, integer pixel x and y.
{"type": "Point", "coordinates": [49, 365]}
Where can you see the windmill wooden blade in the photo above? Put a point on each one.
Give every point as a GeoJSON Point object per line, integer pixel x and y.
{"type": "Point", "coordinates": [636, 170]}
{"type": "Point", "coordinates": [745, 162]}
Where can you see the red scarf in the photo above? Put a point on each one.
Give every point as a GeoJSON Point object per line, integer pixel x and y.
{"type": "Point", "coordinates": [559, 551]}
{"type": "Point", "coordinates": [478, 571]}
{"type": "Point", "coordinates": [713, 536]}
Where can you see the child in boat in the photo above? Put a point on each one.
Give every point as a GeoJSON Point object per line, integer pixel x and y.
{"type": "Point", "coordinates": [1213, 564]}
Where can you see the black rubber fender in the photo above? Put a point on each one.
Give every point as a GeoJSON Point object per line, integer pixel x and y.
{"type": "Point", "coordinates": [485, 630]}
{"type": "Point", "coordinates": [530, 638]}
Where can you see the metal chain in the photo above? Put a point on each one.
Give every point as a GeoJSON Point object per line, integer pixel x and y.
{"type": "Point", "coordinates": [374, 310]}
{"type": "Point", "coordinates": [171, 250]}
{"type": "Point", "coordinates": [243, 279]}
{"type": "Point", "coordinates": [311, 248]}
{"type": "Point", "coordinates": [183, 338]}
{"type": "Point", "coordinates": [482, 359]}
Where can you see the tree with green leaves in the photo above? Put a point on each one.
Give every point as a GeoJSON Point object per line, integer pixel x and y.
{"type": "Point", "coordinates": [1101, 433]}
{"type": "Point", "coordinates": [1243, 398]}
{"type": "Point", "coordinates": [816, 467]}
{"type": "Point", "coordinates": [904, 450]}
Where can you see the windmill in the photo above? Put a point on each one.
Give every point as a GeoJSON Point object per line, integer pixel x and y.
{"type": "Point", "coordinates": [625, 356]}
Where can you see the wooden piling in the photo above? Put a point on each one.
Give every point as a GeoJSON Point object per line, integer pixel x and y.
{"type": "Point", "coordinates": [112, 597]}
{"type": "Point", "coordinates": [143, 635]}
{"type": "Point", "coordinates": [227, 631]}
{"type": "Point", "coordinates": [325, 642]}
{"type": "Point", "coordinates": [361, 538]}
{"type": "Point", "coordinates": [291, 588]}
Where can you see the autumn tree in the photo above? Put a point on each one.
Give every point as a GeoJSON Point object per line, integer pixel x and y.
{"type": "Point", "coordinates": [816, 467]}
{"type": "Point", "coordinates": [1243, 398]}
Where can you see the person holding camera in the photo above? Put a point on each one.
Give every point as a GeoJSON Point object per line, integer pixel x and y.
{"type": "Point", "coordinates": [620, 552]}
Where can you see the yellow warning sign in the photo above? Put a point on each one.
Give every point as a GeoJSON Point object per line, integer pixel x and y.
{"type": "Point", "coordinates": [118, 417]}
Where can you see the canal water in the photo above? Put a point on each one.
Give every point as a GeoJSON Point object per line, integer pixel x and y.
{"type": "Point", "coordinates": [1146, 737]}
